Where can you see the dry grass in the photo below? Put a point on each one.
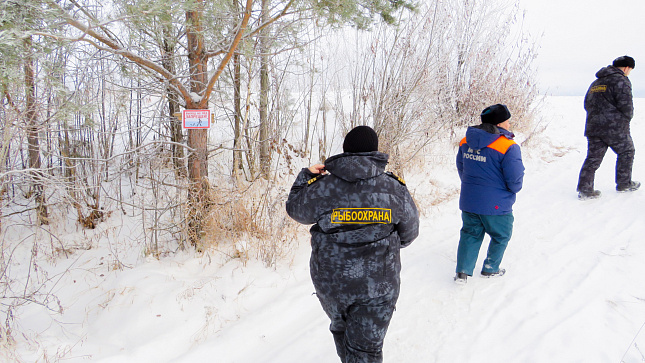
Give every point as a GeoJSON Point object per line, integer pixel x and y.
{"type": "Point", "coordinates": [249, 222]}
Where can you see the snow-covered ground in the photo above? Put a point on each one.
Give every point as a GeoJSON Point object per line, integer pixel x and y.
{"type": "Point", "coordinates": [574, 290]}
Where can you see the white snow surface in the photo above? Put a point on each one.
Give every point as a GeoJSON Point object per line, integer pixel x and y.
{"type": "Point", "coordinates": [574, 290]}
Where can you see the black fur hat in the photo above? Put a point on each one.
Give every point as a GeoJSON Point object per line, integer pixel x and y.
{"type": "Point", "coordinates": [624, 61]}
{"type": "Point", "coordinates": [495, 114]}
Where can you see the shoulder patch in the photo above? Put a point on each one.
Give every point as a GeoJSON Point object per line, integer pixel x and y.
{"type": "Point", "coordinates": [463, 141]}
{"type": "Point", "coordinates": [599, 88]}
{"type": "Point", "coordinates": [315, 179]}
{"type": "Point", "coordinates": [398, 178]}
{"type": "Point", "coordinates": [502, 144]}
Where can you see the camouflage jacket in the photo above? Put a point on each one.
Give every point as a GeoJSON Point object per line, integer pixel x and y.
{"type": "Point", "coordinates": [609, 103]}
{"type": "Point", "coordinates": [361, 218]}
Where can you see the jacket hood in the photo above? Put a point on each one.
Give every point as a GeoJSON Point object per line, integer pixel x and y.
{"type": "Point", "coordinates": [480, 136]}
{"type": "Point", "coordinates": [353, 167]}
{"type": "Point", "coordinates": [608, 71]}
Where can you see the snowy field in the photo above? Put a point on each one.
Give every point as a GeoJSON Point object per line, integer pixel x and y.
{"type": "Point", "coordinates": [574, 290]}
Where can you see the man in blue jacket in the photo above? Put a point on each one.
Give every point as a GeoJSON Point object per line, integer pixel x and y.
{"type": "Point", "coordinates": [610, 109]}
{"type": "Point", "coordinates": [361, 217]}
{"type": "Point", "coordinates": [490, 167]}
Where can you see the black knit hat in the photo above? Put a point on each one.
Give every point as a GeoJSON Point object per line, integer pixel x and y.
{"type": "Point", "coordinates": [495, 114]}
{"type": "Point", "coordinates": [360, 139]}
{"type": "Point", "coordinates": [624, 61]}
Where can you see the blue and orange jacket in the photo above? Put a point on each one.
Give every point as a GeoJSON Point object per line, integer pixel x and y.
{"type": "Point", "coordinates": [491, 170]}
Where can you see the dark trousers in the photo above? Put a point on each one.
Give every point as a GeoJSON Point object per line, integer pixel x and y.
{"type": "Point", "coordinates": [475, 226]}
{"type": "Point", "coordinates": [359, 326]}
{"type": "Point", "coordinates": [622, 145]}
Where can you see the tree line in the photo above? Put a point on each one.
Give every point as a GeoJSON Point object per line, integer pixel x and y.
{"type": "Point", "coordinates": [91, 94]}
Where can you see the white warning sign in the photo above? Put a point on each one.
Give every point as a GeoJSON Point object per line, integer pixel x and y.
{"type": "Point", "coordinates": [196, 119]}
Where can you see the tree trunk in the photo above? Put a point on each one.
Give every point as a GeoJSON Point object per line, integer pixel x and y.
{"type": "Point", "coordinates": [32, 135]}
{"type": "Point", "coordinates": [198, 198]}
{"type": "Point", "coordinates": [176, 132]}
{"type": "Point", "coordinates": [265, 152]}
{"type": "Point", "coordinates": [237, 101]}
{"type": "Point", "coordinates": [197, 138]}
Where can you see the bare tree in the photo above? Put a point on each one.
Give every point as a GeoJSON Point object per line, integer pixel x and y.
{"type": "Point", "coordinates": [437, 71]}
{"type": "Point", "coordinates": [31, 118]}
{"type": "Point", "coordinates": [196, 93]}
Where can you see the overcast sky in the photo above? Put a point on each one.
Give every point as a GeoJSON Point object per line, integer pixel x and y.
{"type": "Point", "coordinates": [578, 37]}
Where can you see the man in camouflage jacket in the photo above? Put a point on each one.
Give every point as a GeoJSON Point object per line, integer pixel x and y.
{"type": "Point", "coordinates": [361, 218]}
{"type": "Point", "coordinates": [610, 108]}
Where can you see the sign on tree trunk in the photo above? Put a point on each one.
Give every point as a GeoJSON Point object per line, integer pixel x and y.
{"type": "Point", "coordinates": [196, 119]}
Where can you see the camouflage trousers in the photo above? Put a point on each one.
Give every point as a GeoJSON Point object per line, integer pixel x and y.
{"type": "Point", "coordinates": [359, 326]}
{"type": "Point", "coordinates": [622, 145]}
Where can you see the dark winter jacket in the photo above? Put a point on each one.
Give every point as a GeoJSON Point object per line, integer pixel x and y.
{"type": "Point", "coordinates": [361, 218]}
{"type": "Point", "coordinates": [490, 166]}
{"type": "Point", "coordinates": [609, 103]}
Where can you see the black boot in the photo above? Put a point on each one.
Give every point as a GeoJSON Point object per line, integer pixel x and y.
{"type": "Point", "coordinates": [501, 272]}
{"type": "Point", "coordinates": [589, 195]}
{"type": "Point", "coordinates": [632, 186]}
{"type": "Point", "coordinates": [461, 278]}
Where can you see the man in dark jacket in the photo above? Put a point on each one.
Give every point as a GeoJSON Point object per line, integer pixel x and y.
{"type": "Point", "coordinates": [490, 167]}
{"type": "Point", "coordinates": [361, 219]}
{"type": "Point", "coordinates": [610, 108]}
